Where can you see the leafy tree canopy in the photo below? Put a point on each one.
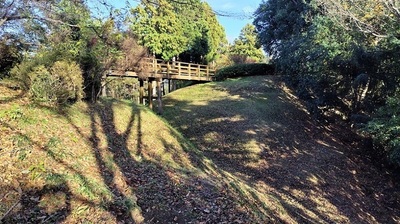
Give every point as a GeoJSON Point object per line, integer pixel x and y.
{"type": "Point", "coordinates": [170, 28]}
{"type": "Point", "coordinates": [247, 44]}
{"type": "Point", "coordinates": [323, 47]}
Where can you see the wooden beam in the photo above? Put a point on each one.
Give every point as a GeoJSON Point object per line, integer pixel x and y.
{"type": "Point", "coordinates": [159, 96]}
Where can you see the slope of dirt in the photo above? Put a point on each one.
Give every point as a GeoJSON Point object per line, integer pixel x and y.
{"type": "Point", "coordinates": [283, 166]}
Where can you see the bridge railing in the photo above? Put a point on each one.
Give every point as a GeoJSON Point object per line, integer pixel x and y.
{"type": "Point", "coordinates": [179, 70]}
{"type": "Point", "coordinates": [157, 68]}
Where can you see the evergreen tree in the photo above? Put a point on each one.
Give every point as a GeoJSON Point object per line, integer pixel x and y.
{"type": "Point", "coordinates": [247, 45]}
{"type": "Point", "coordinates": [157, 26]}
{"type": "Point", "coordinates": [188, 29]}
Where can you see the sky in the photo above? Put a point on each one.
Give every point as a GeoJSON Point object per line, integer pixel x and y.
{"type": "Point", "coordinates": [233, 25]}
{"type": "Point", "coordinates": [243, 9]}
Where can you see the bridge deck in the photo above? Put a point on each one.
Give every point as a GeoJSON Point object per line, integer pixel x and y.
{"type": "Point", "coordinates": [155, 68]}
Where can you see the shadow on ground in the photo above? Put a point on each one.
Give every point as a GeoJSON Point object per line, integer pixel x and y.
{"type": "Point", "coordinates": [107, 163]}
{"type": "Point", "coordinates": [300, 171]}
{"type": "Point", "coordinates": [261, 159]}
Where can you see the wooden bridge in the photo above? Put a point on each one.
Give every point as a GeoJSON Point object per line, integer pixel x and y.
{"type": "Point", "coordinates": [151, 69]}
{"type": "Point", "coordinates": [175, 70]}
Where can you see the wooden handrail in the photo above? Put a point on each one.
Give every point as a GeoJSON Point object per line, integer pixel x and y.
{"type": "Point", "coordinates": [172, 70]}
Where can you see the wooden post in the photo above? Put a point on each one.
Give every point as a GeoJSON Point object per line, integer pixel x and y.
{"type": "Point", "coordinates": [189, 70]}
{"type": "Point", "coordinates": [163, 86]}
{"type": "Point", "coordinates": [150, 92]}
{"type": "Point", "coordinates": [168, 69]}
{"type": "Point", "coordinates": [199, 69]}
{"type": "Point", "coordinates": [155, 67]}
{"type": "Point", "coordinates": [141, 91]}
{"type": "Point", "coordinates": [208, 72]}
{"type": "Point", "coordinates": [159, 96]}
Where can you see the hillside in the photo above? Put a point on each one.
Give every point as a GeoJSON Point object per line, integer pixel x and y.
{"type": "Point", "coordinates": [240, 151]}
{"type": "Point", "coordinates": [110, 162]}
{"type": "Point", "coordinates": [284, 165]}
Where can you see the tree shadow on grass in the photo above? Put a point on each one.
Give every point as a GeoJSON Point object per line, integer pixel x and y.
{"type": "Point", "coordinates": [157, 192]}
{"type": "Point", "coordinates": [46, 203]}
{"type": "Point", "coordinates": [10, 93]}
{"type": "Point", "coordinates": [50, 204]}
{"type": "Point", "coordinates": [116, 144]}
{"type": "Point", "coordinates": [306, 172]}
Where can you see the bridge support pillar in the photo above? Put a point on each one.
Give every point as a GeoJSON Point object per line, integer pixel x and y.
{"type": "Point", "coordinates": [159, 96]}
{"type": "Point", "coordinates": [150, 92]}
{"type": "Point", "coordinates": [141, 91]}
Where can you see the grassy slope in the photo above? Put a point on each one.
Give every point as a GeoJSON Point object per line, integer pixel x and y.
{"type": "Point", "coordinates": [278, 161]}
{"type": "Point", "coordinates": [109, 162]}
{"type": "Point", "coordinates": [253, 155]}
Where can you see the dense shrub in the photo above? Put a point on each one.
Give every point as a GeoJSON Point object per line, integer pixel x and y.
{"type": "Point", "coordinates": [123, 88]}
{"type": "Point", "coordinates": [385, 129]}
{"type": "Point", "coordinates": [241, 70]}
{"type": "Point", "coordinates": [21, 73]}
{"type": "Point", "coordinates": [59, 84]}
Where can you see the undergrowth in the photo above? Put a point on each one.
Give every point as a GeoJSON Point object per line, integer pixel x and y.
{"type": "Point", "coordinates": [242, 70]}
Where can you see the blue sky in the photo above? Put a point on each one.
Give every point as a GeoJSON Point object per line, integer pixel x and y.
{"type": "Point", "coordinates": [233, 25]}
{"type": "Point", "coordinates": [243, 9]}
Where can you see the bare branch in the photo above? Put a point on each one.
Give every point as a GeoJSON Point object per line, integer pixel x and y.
{"type": "Point", "coordinates": [354, 14]}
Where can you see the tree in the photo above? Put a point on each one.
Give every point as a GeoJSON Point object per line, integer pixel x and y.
{"type": "Point", "coordinates": [278, 22]}
{"type": "Point", "coordinates": [247, 45]}
{"type": "Point", "coordinates": [157, 27]}
{"type": "Point", "coordinates": [206, 35]}
{"type": "Point", "coordinates": [378, 18]}
{"type": "Point", "coordinates": [188, 29]}
{"type": "Point", "coordinates": [30, 20]}
{"type": "Point", "coordinates": [215, 34]}
{"type": "Point", "coordinates": [70, 34]}
{"type": "Point", "coordinates": [15, 10]}
{"type": "Point", "coordinates": [325, 47]}
{"type": "Point", "coordinates": [304, 43]}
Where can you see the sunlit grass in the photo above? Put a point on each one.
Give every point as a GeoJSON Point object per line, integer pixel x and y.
{"type": "Point", "coordinates": [78, 150]}
{"type": "Point", "coordinates": [219, 147]}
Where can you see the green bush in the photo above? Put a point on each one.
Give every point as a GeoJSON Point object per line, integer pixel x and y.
{"type": "Point", "coordinates": [21, 73]}
{"type": "Point", "coordinates": [385, 129]}
{"type": "Point", "coordinates": [59, 84]}
{"type": "Point", "coordinates": [241, 70]}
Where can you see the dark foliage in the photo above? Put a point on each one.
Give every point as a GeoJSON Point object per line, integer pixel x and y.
{"type": "Point", "coordinates": [10, 55]}
{"type": "Point", "coordinates": [241, 70]}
